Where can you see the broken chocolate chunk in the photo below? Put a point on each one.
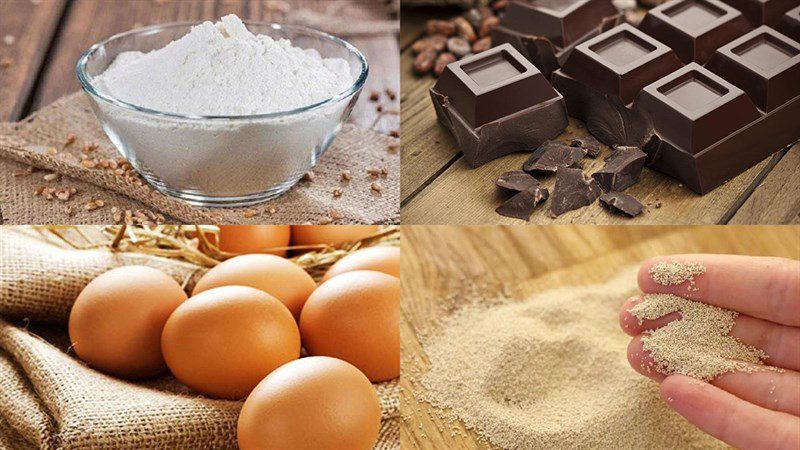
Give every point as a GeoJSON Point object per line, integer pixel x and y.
{"type": "Point", "coordinates": [516, 180]}
{"type": "Point", "coordinates": [574, 189]}
{"type": "Point", "coordinates": [589, 144]}
{"type": "Point", "coordinates": [521, 205]}
{"type": "Point", "coordinates": [621, 203]}
{"type": "Point", "coordinates": [552, 155]}
{"type": "Point", "coordinates": [622, 169]}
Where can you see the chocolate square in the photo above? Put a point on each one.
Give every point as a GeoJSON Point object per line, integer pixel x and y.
{"type": "Point", "coordinates": [763, 12]}
{"type": "Point", "coordinates": [563, 22]}
{"type": "Point", "coordinates": [790, 24]}
{"type": "Point", "coordinates": [620, 62]}
{"type": "Point", "coordinates": [694, 28]}
{"type": "Point", "coordinates": [493, 84]}
{"type": "Point", "coordinates": [763, 63]}
{"type": "Point", "coordinates": [496, 103]}
{"type": "Point", "coordinates": [693, 108]}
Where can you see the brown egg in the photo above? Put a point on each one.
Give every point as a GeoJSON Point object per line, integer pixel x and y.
{"type": "Point", "coordinates": [380, 259]}
{"type": "Point", "coordinates": [223, 341]}
{"type": "Point", "coordinates": [272, 274]}
{"type": "Point", "coordinates": [356, 317]}
{"type": "Point", "coordinates": [334, 235]}
{"type": "Point", "coordinates": [254, 238]}
{"type": "Point", "coordinates": [315, 403]}
{"type": "Point", "coordinates": [115, 324]}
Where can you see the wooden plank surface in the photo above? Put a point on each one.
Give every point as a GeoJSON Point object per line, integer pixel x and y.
{"type": "Point", "coordinates": [520, 261]}
{"type": "Point", "coordinates": [777, 197]}
{"type": "Point", "coordinates": [26, 30]}
{"type": "Point", "coordinates": [438, 187]}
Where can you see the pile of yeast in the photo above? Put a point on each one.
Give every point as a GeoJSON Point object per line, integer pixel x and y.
{"type": "Point", "coordinates": [551, 372]}
{"type": "Point", "coordinates": [224, 69]}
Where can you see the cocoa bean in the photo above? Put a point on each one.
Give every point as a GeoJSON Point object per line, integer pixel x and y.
{"type": "Point", "coordinates": [488, 25]}
{"type": "Point", "coordinates": [445, 27]}
{"type": "Point", "coordinates": [437, 42]}
{"type": "Point", "coordinates": [442, 61]}
{"type": "Point", "coordinates": [465, 29]}
{"type": "Point", "coordinates": [482, 44]}
{"type": "Point", "coordinates": [458, 46]}
{"type": "Point", "coordinates": [424, 62]}
{"type": "Point", "coordinates": [499, 5]}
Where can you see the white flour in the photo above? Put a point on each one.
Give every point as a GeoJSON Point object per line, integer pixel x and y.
{"type": "Point", "coordinates": [224, 69]}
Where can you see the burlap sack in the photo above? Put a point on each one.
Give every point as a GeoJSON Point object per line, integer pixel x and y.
{"type": "Point", "coordinates": [48, 399]}
{"type": "Point", "coordinates": [28, 142]}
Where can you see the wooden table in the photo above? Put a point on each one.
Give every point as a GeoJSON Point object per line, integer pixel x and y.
{"type": "Point", "coordinates": [438, 186]}
{"type": "Point", "coordinates": [520, 261]}
{"type": "Point", "coordinates": [49, 36]}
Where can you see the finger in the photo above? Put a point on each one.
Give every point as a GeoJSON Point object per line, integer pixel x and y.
{"type": "Point", "coordinates": [778, 391]}
{"type": "Point", "coordinates": [780, 342]}
{"type": "Point", "coordinates": [630, 323]}
{"type": "Point", "coordinates": [723, 415]}
{"type": "Point", "coordinates": [763, 287]}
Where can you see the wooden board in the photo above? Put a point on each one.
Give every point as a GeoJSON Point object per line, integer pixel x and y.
{"type": "Point", "coordinates": [521, 261]}
{"type": "Point", "coordinates": [31, 28]}
{"type": "Point", "coordinates": [438, 187]}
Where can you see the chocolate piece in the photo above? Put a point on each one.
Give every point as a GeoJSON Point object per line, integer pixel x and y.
{"type": "Point", "coordinates": [763, 12]}
{"type": "Point", "coordinates": [694, 28]}
{"type": "Point", "coordinates": [516, 180]}
{"type": "Point", "coordinates": [764, 64]}
{"type": "Point", "coordinates": [621, 62]}
{"type": "Point", "coordinates": [621, 203]}
{"type": "Point", "coordinates": [589, 144]}
{"type": "Point", "coordinates": [622, 169]}
{"type": "Point", "coordinates": [574, 189]}
{"type": "Point", "coordinates": [694, 108]}
{"type": "Point", "coordinates": [561, 21]}
{"type": "Point", "coordinates": [710, 130]}
{"type": "Point", "coordinates": [557, 154]}
{"type": "Point", "coordinates": [701, 125]}
{"type": "Point", "coordinates": [545, 31]}
{"type": "Point", "coordinates": [496, 103]}
{"type": "Point", "coordinates": [521, 205]}
{"type": "Point", "coordinates": [790, 24]}
{"type": "Point", "coordinates": [606, 116]}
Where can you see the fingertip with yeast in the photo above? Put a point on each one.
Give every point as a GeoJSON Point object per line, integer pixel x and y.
{"type": "Point", "coordinates": [627, 321]}
{"type": "Point", "coordinates": [640, 360]}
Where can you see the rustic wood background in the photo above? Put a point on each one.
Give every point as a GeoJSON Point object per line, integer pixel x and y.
{"type": "Point", "coordinates": [520, 261]}
{"type": "Point", "coordinates": [49, 36]}
{"type": "Point", "coordinates": [438, 186]}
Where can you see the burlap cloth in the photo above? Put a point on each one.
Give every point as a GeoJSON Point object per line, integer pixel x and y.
{"type": "Point", "coordinates": [49, 399]}
{"type": "Point", "coordinates": [28, 141]}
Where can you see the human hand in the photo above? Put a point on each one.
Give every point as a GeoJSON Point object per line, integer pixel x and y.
{"type": "Point", "coordinates": [759, 410]}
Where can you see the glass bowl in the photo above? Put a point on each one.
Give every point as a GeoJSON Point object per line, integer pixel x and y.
{"type": "Point", "coordinates": [221, 160]}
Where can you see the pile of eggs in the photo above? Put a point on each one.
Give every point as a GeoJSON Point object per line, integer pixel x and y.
{"type": "Point", "coordinates": [241, 333]}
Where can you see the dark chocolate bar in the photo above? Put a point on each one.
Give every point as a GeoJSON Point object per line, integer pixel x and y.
{"type": "Point", "coordinates": [545, 31]}
{"type": "Point", "coordinates": [495, 103]}
{"type": "Point", "coordinates": [700, 124]}
{"type": "Point", "coordinates": [763, 12]}
{"type": "Point", "coordinates": [620, 62]}
{"type": "Point", "coordinates": [790, 24]}
{"type": "Point", "coordinates": [694, 29]}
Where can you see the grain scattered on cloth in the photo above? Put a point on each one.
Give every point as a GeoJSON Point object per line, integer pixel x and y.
{"type": "Point", "coordinates": [29, 141]}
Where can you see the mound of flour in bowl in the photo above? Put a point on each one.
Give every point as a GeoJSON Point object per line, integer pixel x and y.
{"type": "Point", "coordinates": [224, 69]}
